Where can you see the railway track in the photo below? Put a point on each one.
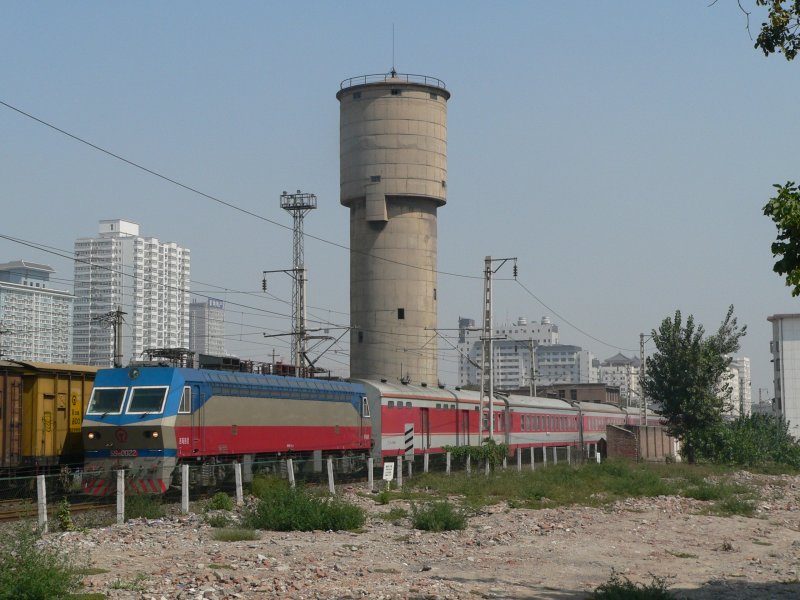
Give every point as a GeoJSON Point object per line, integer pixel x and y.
{"type": "Point", "coordinates": [15, 510]}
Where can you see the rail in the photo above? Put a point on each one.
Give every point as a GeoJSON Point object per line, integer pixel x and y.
{"type": "Point", "coordinates": [393, 75]}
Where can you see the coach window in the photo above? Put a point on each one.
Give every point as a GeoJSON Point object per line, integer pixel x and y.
{"type": "Point", "coordinates": [364, 407]}
{"type": "Point", "coordinates": [106, 401]}
{"type": "Point", "coordinates": [408, 404]}
{"type": "Point", "coordinates": [390, 404]}
{"type": "Point", "coordinates": [186, 400]}
{"type": "Point", "coordinates": [147, 400]}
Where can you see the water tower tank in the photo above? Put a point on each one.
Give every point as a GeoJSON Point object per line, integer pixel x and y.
{"type": "Point", "coordinates": [393, 162]}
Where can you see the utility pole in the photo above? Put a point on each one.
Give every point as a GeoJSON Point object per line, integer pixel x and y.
{"type": "Point", "coordinates": [642, 370]}
{"type": "Point", "coordinates": [532, 384]}
{"type": "Point", "coordinates": [488, 348]}
{"type": "Point", "coordinates": [298, 205]}
{"type": "Point", "coordinates": [114, 319]}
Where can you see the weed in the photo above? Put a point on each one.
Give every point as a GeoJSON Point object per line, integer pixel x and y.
{"type": "Point", "coordinates": [235, 535]}
{"type": "Point", "coordinates": [286, 509]}
{"type": "Point", "coordinates": [220, 501]}
{"type": "Point", "coordinates": [383, 497]}
{"type": "Point", "coordinates": [218, 520]}
{"type": "Point", "coordinates": [682, 554]}
{"type": "Point", "coordinates": [64, 517]}
{"type": "Point", "coordinates": [92, 571]}
{"type": "Point", "coordinates": [395, 514]}
{"type": "Point", "coordinates": [134, 585]}
{"type": "Point", "coordinates": [33, 571]}
{"type": "Point", "coordinates": [143, 506]}
{"type": "Point", "coordinates": [761, 543]}
{"type": "Point", "coordinates": [727, 546]}
{"type": "Point", "coordinates": [87, 596]}
{"type": "Point", "coordinates": [735, 505]}
{"type": "Point", "coordinates": [438, 516]}
{"type": "Point", "coordinates": [264, 485]}
{"type": "Point", "coordinates": [619, 587]}
{"type": "Point", "coordinates": [219, 567]}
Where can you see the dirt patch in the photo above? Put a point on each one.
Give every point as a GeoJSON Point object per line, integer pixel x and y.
{"type": "Point", "coordinates": [562, 553]}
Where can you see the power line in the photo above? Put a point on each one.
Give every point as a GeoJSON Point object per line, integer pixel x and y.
{"type": "Point", "coordinates": [219, 200]}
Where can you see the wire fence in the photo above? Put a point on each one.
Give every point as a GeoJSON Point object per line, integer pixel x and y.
{"type": "Point", "coordinates": [59, 496]}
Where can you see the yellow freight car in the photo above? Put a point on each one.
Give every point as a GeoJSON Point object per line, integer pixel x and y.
{"type": "Point", "coordinates": [41, 409]}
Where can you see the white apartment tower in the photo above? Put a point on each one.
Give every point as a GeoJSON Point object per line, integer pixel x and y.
{"type": "Point", "coordinates": [512, 355]}
{"type": "Point", "coordinates": [207, 327]}
{"type": "Point", "coordinates": [145, 278]}
{"type": "Point", "coordinates": [785, 348]}
{"type": "Point", "coordinates": [35, 318]}
{"type": "Point", "coordinates": [622, 372]}
{"type": "Point", "coordinates": [744, 384]}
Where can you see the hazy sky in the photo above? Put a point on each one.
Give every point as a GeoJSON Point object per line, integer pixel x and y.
{"type": "Point", "coordinates": [622, 151]}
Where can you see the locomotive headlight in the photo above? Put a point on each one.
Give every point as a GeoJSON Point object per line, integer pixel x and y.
{"type": "Point", "coordinates": [151, 434]}
{"type": "Point", "coordinates": [155, 434]}
{"type": "Point", "coordinates": [93, 435]}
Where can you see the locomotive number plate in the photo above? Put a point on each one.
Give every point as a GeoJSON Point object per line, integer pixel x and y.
{"type": "Point", "coordinates": [124, 453]}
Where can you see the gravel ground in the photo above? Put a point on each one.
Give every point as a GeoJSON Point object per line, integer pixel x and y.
{"type": "Point", "coordinates": [561, 553]}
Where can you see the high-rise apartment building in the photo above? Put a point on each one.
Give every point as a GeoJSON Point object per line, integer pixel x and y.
{"type": "Point", "coordinates": [512, 355]}
{"type": "Point", "coordinates": [622, 372]}
{"type": "Point", "coordinates": [744, 385]}
{"type": "Point", "coordinates": [785, 348]}
{"type": "Point", "coordinates": [207, 327]}
{"type": "Point", "coordinates": [35, 318]}
{"type": "Point", "coordinates": [145, 278]}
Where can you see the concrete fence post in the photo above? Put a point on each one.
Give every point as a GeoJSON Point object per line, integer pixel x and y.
{"type": "Point", "coordinates": [544, 456]}
{"type": "Point", "coordinates": [41, 501]}
{"type": "Point", "coordinates": [399, 470]}
{"type": "Point", "coordinates": [425, 462]}
{"type": "Point", "coordinates": [519, 459]}
{"type": "Point", "coordinates": [120, 497]}
{"type": "Point", "coordinates": [410, 468]}
{"type": "Point", "coordinates": [469, 464]}
{"type": "Point", "coordinates": [448, 456]}
{"type": "Point", "coordinates": [370, 474]}
{"type": "Point", "coordinates": [184, 489]}
{"type": "Point", "coordinates": [237, 471]}
{"type": "Point", "coordinates": [533, 459]}
{"type": "Point", "coordinates": [331, 486]}
{"type": "Point", "coordinates": [487, 467]}
{"type": "Point", "coordinates": [569, 458]}
{"type": "Point", "coordinates": [290, 471]}
{"type": "Point", "coordinates": [555, 455]}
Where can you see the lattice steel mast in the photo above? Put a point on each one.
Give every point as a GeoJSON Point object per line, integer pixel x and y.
{"type": "Point", "coordinates": [299, 205]}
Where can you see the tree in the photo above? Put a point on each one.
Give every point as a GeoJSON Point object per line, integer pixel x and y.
{"type": "Point", "coordinates": [784, 210]}
{"type": "Point", "coordinates": [684, 376]}
{"type": "Point", "coordinates": [781, 31]}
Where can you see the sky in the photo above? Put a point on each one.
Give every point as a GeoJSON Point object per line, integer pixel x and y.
{"type": "Point", "coordinates": [621, 151]}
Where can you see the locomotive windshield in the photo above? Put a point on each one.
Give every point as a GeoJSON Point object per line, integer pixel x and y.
{"type": "Point", "coordinates": [106, 400]}
{"type": "Point", "coordinates": [147, 400]}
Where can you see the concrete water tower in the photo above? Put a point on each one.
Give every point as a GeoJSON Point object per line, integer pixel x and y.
{"type": "Point", "coordinates": [393, 161]}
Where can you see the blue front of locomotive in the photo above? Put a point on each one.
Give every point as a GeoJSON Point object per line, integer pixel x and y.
{"type": "Point", "coordinates": [129, 425]}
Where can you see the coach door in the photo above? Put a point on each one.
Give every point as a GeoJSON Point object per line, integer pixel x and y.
{"type": "Point", "coordinates": [198, 421]}
{"type": "Point", "coordinates": [465, 428]}
{"type": "Point", "coordinates": [426, 428]}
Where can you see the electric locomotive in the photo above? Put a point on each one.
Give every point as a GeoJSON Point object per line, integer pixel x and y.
{"type": "Point", "coordinates": [149, 420]}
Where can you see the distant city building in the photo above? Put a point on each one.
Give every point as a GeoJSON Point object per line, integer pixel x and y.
{"type": "Point", "coordinates": [35, 318]}
{"type": "Point", "coordinates": [512, 356]}
{"type": "Point", "coordinates": [744, 384]}
{"type": "Point", "coordinates": [207, 327]}
{"type": "Point", "coordinates": [581, 392]}
{"type": "Point", "coordinates": [145, 278]}
{"type": "Point", "coordinates": [785, 348]}
{"type": "Point", "coordinates": [733, 403]}
{"type": "Point", "coordinates": [622, 372]}
{"type": "Point", "coordinates": [561, 363]}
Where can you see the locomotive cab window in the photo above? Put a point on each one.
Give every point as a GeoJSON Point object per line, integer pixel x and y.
{"type": "Point", "coordinates": [106, 401]}
{"type": "Point", "coordinates": [364, 407]}
{"type": "Point", "coordinates": [186, 400]}
{"type": "Point", "coordinates": [146, 400]}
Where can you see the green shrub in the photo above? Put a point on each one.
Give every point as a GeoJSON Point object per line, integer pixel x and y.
{"type": "Point", "coordinates": [438, 516]}
{"type": "Point", "coordinates": [753, 441]}
{"type": "Point", "coordinates": [218, 520]}
{"type": "Point", "coordinates": [220, 501]}
{"type": "Point", "coordinates": [621, 588]}
{"type": "Point", "coordinates": [489, 450]}
{"type": "Point", "coordinates": [64, 517]}
{"type": "Point", "coordinates": [286, 509]}
{"type": "Point", "coordinates": [264, 485]}
{"type": "Point", "coordinates": [235, 535]}
{"type": "Point", "coordinates": [34, 572]}
{"type": "Point", "coordinates": [383, 497]}
{"type": "Point", "coordinates": [143, 506]}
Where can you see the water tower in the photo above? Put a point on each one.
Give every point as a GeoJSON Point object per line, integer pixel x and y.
{"type": "Point", "coordinates": [393, 161]}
